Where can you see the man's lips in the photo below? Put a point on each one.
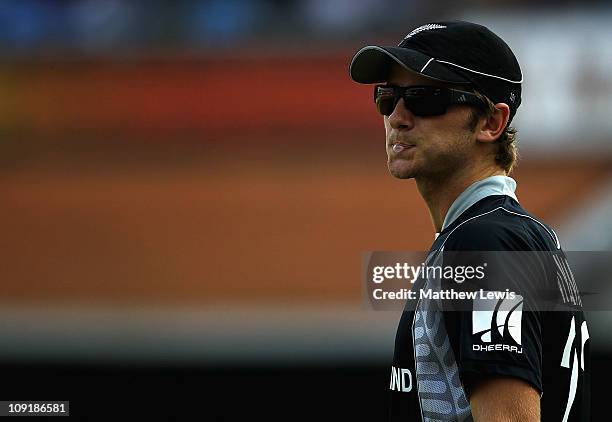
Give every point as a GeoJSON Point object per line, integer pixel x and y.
{"type": "Point", "coordinates": [398, 147]}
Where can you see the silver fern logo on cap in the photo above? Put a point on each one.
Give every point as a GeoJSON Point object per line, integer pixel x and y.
{"type": "Point", "coordinates": [422, 28]}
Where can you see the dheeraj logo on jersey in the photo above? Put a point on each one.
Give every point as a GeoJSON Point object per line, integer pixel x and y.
{"type": "Point", "coordinates": [496, 324]}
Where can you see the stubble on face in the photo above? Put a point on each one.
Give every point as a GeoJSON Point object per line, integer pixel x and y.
{"type": "Point", "coordinates": [432, 158]}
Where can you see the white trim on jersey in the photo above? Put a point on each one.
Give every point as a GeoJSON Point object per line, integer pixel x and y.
{"type": "Point", "coordinates": [549, 231]}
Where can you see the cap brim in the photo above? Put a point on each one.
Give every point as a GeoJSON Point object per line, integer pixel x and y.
{"type": "Point", "coordinates": [371, 65]}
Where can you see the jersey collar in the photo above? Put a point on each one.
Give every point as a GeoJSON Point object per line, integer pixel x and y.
{"type": "Point", "coordinates": [493, 185]}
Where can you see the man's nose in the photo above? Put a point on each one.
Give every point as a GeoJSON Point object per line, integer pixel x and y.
{"type": "Point", "coordinates": [401, 118]}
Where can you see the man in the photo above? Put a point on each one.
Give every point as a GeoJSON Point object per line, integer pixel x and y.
{"type": "Point", "coordinates": [448, 93]}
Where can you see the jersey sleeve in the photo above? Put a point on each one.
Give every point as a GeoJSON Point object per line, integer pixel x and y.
{"type": "Point", "coordinates": [498, 331]}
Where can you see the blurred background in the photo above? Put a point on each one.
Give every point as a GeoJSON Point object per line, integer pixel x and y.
{"type": "Point", "coordinates": [188, 186]}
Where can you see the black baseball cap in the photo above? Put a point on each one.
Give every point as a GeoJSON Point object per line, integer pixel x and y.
{"type": "Point", "coordinates": [456, 52]}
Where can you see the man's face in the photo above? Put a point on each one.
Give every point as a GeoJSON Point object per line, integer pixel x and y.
{"type": "Point", "coordinates": [433, 147]}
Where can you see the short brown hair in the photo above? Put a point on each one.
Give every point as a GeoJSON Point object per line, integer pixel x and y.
{"type": "Point", "coordinates": [507, 149]}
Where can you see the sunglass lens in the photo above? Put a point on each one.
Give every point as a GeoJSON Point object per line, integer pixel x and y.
{"type": "Point", "coordinates": [385, 105]}
{"type": "Point", "coordinates": [424, 108]}
{"type": "Point", "coordinates": [421, 101]}
{"type": "Point", "coordinates": [425, 101]}
{"type": "Point", "coordinates": [385, 100]}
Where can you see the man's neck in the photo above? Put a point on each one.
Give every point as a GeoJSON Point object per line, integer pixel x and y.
{"type": "Point", "coordinates": [439, 194]}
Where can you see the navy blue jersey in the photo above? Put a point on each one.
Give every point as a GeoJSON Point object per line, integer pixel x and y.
{"type": "Point", "coordinates": [440, 352]}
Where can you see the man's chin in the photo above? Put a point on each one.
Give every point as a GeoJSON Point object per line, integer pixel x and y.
{"type": "Point", "coordinates": [400, 172]}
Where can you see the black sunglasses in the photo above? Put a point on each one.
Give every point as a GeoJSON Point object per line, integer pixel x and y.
{"type": "Point", "coordinates": [422, 100]}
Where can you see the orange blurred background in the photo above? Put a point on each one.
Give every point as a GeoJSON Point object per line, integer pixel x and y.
{"type": "Point", "coordinates": [199, 182]}
{"type": "Point", "coordinates": [188, 188]}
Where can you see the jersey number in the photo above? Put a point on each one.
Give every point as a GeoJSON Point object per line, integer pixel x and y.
{"type": "Point", "coordinates": [565, 361]}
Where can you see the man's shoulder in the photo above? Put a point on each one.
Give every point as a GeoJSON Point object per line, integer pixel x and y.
{"type": "Point", "coordinates": [499, 223]}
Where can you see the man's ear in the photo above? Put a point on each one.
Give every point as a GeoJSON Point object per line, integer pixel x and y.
{"type": "Point", "coordinates": [491, 128]}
